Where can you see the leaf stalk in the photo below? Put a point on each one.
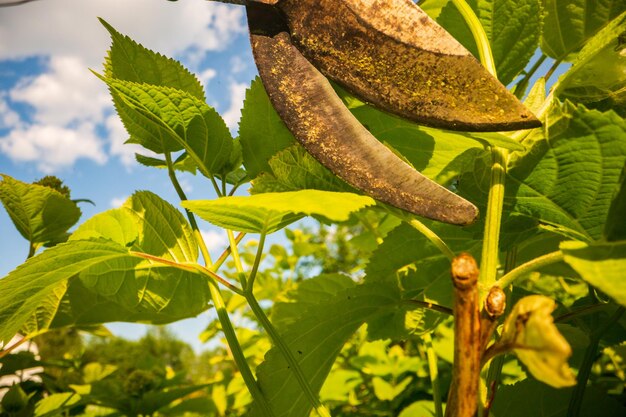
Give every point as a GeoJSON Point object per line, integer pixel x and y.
{"type": "Point", "coordinates": [530, 266]}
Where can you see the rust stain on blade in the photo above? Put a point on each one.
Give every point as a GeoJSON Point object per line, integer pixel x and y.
{"type": "Point", "coordinates": [316, 116]}
{"type": "Point", "coordinates": [392, 55]}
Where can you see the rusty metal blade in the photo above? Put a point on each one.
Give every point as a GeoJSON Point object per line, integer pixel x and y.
{"type": "Point", "coordinates": [311, 109]}
{"type": "Point", "coordinates": [392, 55]}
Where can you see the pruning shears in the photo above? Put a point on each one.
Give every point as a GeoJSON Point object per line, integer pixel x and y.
{"type": "Point", "coordinates": [388, 53]}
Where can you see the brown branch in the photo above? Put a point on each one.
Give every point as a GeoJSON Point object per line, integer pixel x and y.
{"type": "Point", "coordinates": [463, 395]}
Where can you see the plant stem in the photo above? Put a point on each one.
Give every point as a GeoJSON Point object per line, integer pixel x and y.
{"type": "Point", "coordinates": [236, 258]}
{"type": "Point", "coordinates": [520, 89]}
{"type": "Point", "coordinates": [269, 327]}
{"type": "Point", "coordinates": [9, 349]}
{"type": "Point", "coordinates": [479, 34]}
{"type": "Point", "coordinates": [287, 354]}
{"type": "Point", "coordinates": [552, 69]}
{"type": "Point", "coordinates": [532, 265]}
{"type": "Point", "coordinates": [190, 216]}
{"type": "Point", "coordinates": [227, 252]}
{"type": "Point", "coordinates": [585, 368]}
{"type": "Point", "coordinates": [433, 370]}
{"type": "Point", "coordinates": [257, 262]}
{"type": "Point", "coordinates": [218, 301]}
{"type": "Point", "coordinates": [432, 237]}
{"type": "Point", "coordinates": [237, 351]}
{"type": "Point", "coordinates": [493, 220]}
{"type": "Point", "coordinates": [429, 306]}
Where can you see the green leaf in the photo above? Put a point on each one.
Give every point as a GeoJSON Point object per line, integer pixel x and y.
{"type": "Point", "coordinates": [145, 223]}
{"type": "Point", "coordinates": [261, 130]}
{"type": "Point", "coordinates": [419, 409]}
{"type": "Point", "coordinates": [529, 329]}
{"type": "Point", "coordinates": [269, 212]}
{"type": "Point", "coordinates": [513, 401]}
{"type": "Point", "coordinates": [569, 23]}
{"type": "Point", "coordinates": [183, 163]}
{"type": "Point", "coordinates": [439, 155]}
{"type": "Point", "coordinates": [568, 179]}
{"type": "Point", "coordinates": [601, 265]}
{"type": "Point", "coordinates": [339, 385]}
{"type": "Point", "coordinates": [385, 391]}
{"type": "Point", "coordinates": [22, 291]}
{"type": "Point", "coordinates": [129, 61]}
{"type": "Point", "coordinates": [54, 404]}
{"type": "Point", "coordinates": [295, 169]}
{"type": "Point", "coordinates": [409, 261]}
{"type": "Point", "coordinates": [596, 78]}
{"type": "Point", "coordinates": [77, 290]}
{"type": "Point", "coordinates": [316, 337]}
{"type": "Point", "coordinates": [513, 28]}
{"type": "Point", "coordinates": [308, 293]}
{"type": "Point", "coordinates": [41, 215]}
{"type": "Point", "coordinates": [164, 119]}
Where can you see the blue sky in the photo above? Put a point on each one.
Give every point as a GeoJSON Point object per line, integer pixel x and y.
{"type": "Point", "coordinates": [56, 117]}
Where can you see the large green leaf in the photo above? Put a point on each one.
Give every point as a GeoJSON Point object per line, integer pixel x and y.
{"type": "Point", "coordinates": [269, 212]}
{"type": "Point", "coordinates": [569, 23]}
{"type": "Point", "coordinates": [115, 286]}
{"type": "Point", "coordinates": [316, 337]}
{"type": "Point", "coordinates": [129, 61]}
{"type": "Point", "coordinates": [22, 291]}
{"type": "Point", "coordinates": [295, 169]}
{"type": "Point", "coordinates": [597, 77]}
{"type": "Point", "coordinates": [409, 261]}
{"type": "Point", "coordinates": [261, 130]}
{"type": "Point", "coordinates": [601, 265]}
{"type": "Point", "coordinates": [513, 28]}
{"type": "Point", "coordinates": [165, 119]}
{"type": "Point", "coordinates": [145, 223]}
{"type": "Point", "coordinates": [41, 215]}
{"type": "Point", "coordinates": [568, 179]}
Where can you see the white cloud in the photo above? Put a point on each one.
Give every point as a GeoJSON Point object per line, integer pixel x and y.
{"type": "Point", "coordinates": [214, 240]}
{"type": "Point", "coordinates": [237, 95]}
{"type": "Point", "coordinates": [53, 148]}
{"type": "Point", "coordinates": [69, 27]}
{"type": "Point", "coordinates": [8, 118]}
{"type": "Point", "coordinates": [238, 64]}
{"type": "Point", "coordinates": [71, 108]}
{"type": "Point", "coordinates": [207, 75]}
{"type": "Point", "coordinates": [67, 92]}
{"type": "Point", "coordinates": [117, 202]}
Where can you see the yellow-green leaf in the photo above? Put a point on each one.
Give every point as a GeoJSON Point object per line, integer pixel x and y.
{"type": "Point", "coordinates": [530, 330]}
{"type": "Point", "coordinates": [269, 212]}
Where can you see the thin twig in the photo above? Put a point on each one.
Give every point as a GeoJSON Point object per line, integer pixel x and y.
{"type": "Point", "coordinates": [429, 306]}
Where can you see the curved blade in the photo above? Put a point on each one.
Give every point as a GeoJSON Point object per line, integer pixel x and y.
{"type": "Point", "coordinates": [311, 109]}
{"type": "Point", "coordinates": [391, 54]}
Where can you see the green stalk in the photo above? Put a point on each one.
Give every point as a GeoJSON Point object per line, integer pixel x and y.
{"type": "Point", "coordinates": [236, 258]}
{"type": "Point", "coordinates": [432, 237]}
{"type": "Point", "coordinates": [220, 306]}
{"type": "Point", "coordinates": [495, 203]}
{"type": "Point", "coordinates": [277, 340]}
{"type": "Point", "coordinates": [479, 34]}
{"type": "Point", "coordinates": [433, 370]}
{"type": "Point", "coordinates": [237, 351]}
{"type": "Point", "coordinates": [287, 354]}
{"type": "Point", "coordinates": [257, 262]}
{"type": "Point", "coordinates": [493, 219]}
{"type": "Point", "coordinates": [190, 216]}
{"type": "Point", "coordinates": [520, 88]}
{"type": "Point", "coordinates": [544, 260]}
